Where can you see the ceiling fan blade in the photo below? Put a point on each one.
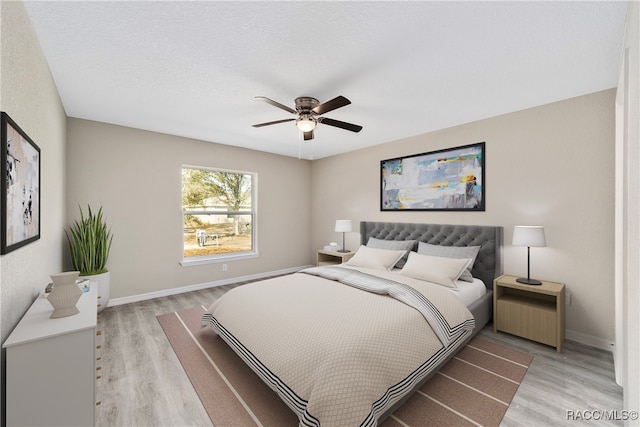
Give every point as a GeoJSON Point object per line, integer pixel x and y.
{"type": "Point", "coordinates": [276, 104]}
{"type": "Point", "coordinates": [337, 102]}
{"type": "Point", "coordinates": [259, 125]}
{"type": "Point", "coordinates": [339, 124]}
{"type": "Point", "coordinates": [308, 135]}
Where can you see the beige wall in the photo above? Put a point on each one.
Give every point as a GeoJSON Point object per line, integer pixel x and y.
{"type": "Point", "coordinates": [135, 176]}
{"type": "Point", "coordinates": [551, 166]}
{"type": "Point", "coordinates": [29, 96]}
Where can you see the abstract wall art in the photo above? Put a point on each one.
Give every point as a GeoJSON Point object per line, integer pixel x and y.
{"type": "Point", "coordinates": [451, 179]}
{"type": "Point", "coordinates": [20, 187]}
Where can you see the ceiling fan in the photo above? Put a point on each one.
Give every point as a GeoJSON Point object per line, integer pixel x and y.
{"type": "Point", "coordinates": [309, 112]}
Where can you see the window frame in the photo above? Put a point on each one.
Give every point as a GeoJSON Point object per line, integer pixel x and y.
{"type": "Point", "coordinates": [231, 256]}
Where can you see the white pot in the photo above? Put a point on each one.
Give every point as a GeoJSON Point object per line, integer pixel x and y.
{"type": "Point", "coordinates": [104, 288]}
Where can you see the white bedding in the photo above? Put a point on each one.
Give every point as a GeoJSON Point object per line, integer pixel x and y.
{"type": "Point", "coordinates": [341, 352]}
{"type": "Point", "coordinates": [469, 292]}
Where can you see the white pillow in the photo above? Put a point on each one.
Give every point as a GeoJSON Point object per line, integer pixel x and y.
{"type": "Point", "coordinates": [443, 271]}
{"type": "Point", "coordinates": [380, 259]}
{"type": "Point", "coordinates": [470, 252]}
{"type": "Point", "coordinates": [394, 245]}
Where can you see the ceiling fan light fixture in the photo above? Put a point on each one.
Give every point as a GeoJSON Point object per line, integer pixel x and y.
{"type": "Point", "coordinates": [306, 123]}
{"type": "Point", "coordinates": [309, 113]}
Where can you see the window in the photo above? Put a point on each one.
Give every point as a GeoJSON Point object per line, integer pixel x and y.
{"type": "Point", "coordinates": [218, 215]}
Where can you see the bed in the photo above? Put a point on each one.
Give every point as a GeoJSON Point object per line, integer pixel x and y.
{"type": "Point", "coordinates": [348, 344]}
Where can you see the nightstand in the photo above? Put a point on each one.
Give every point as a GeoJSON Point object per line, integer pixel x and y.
{"type": "Point", "coordinates": [333, 258]}
{"type": "Point", "coordinates": [528, 311]}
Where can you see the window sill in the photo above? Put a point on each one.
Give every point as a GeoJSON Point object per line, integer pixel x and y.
{"type": "Point", "coordinates": [217, 259]}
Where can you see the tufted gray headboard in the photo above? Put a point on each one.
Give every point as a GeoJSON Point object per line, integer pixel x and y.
{"type": "Point", "coordinates": [488, 264]}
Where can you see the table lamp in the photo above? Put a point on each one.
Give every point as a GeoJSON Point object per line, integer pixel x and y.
{"type": "Point", "coordinates": [343, 226]}
{"type": "Point", "coordinates": [528, 235]}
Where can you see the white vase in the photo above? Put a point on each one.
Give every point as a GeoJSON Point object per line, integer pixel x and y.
{"type": "Point", "coordinates": [104, 288]}
{"type": "Point", "coordinates": [65, 294]}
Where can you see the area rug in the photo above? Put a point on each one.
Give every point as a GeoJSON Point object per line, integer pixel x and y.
{"type": "Point", "coordinates": [474, 388]}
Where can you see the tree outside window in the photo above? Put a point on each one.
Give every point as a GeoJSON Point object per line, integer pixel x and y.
{"type": "Point", "coordinates": [218, 212]}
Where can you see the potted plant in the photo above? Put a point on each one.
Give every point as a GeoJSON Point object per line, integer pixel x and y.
{"type": "Point", "coordinates": [89, 246]}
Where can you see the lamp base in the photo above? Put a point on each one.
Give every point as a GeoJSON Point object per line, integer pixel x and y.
{"type": "Point", "coordinates": [526, 281]}
{"type": "Point", "coordinates": [343, 251]}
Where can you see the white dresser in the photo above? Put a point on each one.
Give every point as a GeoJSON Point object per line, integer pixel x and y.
{"type": "Point", "coordinates": [52, 366]}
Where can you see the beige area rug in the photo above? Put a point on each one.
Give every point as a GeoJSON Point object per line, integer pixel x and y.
{"type": "Point", "coordinates": [475, 388]}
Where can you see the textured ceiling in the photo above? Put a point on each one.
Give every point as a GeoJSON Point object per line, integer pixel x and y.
{"type": "Point", "coordinates": [193, 68]}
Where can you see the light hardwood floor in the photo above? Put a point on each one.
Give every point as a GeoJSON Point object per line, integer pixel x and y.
{"type": "Point", "coordinates": [143, 383]}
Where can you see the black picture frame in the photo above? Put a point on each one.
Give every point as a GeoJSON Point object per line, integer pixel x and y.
{"type": "Point", "coordinates": [20, 193]}
{"type": "Point", "coordinates": [451, 179]}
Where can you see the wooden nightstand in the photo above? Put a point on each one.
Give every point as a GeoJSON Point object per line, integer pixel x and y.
{"type": "Point", "coordinates": [532, 312]}
{"type": "Point", "coordinates": [333, 258]}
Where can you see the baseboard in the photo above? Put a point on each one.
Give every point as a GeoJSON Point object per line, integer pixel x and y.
{"type": "Point", "coordinates": [200, 286]}
{"type": "Point", "coordinates": [589, 340]}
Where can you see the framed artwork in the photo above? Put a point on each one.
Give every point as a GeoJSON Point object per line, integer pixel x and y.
{"type": "Point", "coordinates": [20, 187]}
{"type": "Point", "coordinates": [445, 180]}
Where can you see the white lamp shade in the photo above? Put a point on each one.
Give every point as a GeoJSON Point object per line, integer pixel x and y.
{"type": "Point", "coordinates": [528, 235]}
{"type": "Point", "coordinates": [343, 226]}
